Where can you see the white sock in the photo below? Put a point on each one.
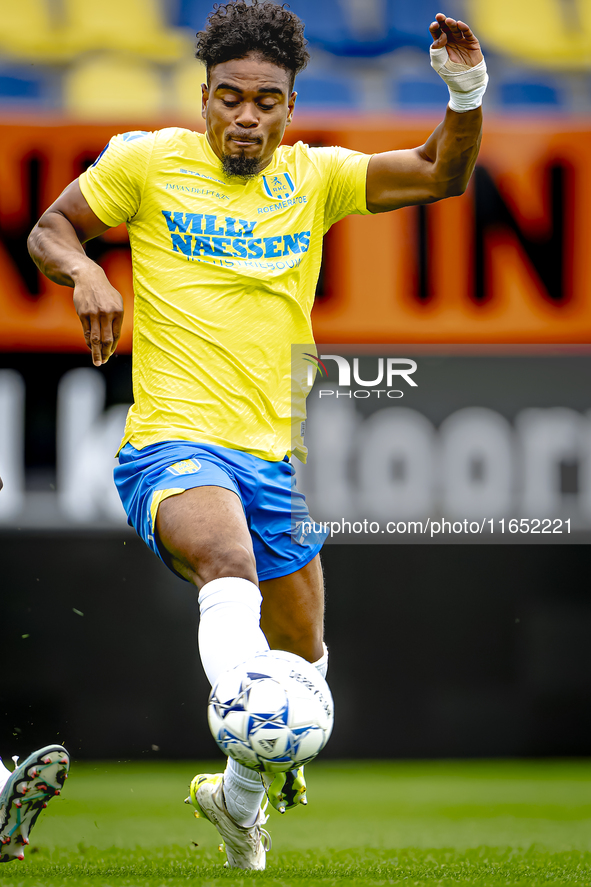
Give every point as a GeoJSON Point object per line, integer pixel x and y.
{"type": "Point", "coordinates": [229, 629]}
{"type": "Point", "coordinates": [243, 791]}
{"type": "Point", "coordinates": [229, 632]}
{"type": "Point", "coordinates": [322, 663]}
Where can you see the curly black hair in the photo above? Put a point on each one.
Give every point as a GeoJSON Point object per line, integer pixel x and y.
{"type": "Point", "coordinates": [268, 29]}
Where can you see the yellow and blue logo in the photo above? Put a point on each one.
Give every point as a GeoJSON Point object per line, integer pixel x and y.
{"type": "Point", "coordinates": [187, 466]}
{"type": "Point", "coordinates": [279, 186]}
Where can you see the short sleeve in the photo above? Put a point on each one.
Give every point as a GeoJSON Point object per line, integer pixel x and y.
{"type": "Point", "coordinates": [345, 174]}
{"type": "Point", "coordinates": [113, 185]}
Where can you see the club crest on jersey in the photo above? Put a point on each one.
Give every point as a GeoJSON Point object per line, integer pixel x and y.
{"type": "Point", "coordinates": [187, 466]}
{"type": "Point", "coordinates": [279, 186]}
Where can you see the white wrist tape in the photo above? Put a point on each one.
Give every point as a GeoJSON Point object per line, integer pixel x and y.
{"type": "Point", "coordinates": [466, 84]}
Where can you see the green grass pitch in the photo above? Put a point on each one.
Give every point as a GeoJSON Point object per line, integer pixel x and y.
{"type": "Point", "coordinates": [419, 823]}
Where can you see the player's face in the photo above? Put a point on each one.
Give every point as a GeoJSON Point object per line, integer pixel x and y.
{"type": "Point", "coordinates": [247, 106]}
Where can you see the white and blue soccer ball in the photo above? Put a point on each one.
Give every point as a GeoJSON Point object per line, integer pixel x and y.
{"type": "Point", "coordinates": [272, 713]}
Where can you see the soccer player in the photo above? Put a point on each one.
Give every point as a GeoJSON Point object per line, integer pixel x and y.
{"type": "Point", "coordinates": [226, 233]}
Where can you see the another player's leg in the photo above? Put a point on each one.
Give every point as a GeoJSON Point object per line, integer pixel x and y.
{"type": "Point", "coordinates": [25, 792]}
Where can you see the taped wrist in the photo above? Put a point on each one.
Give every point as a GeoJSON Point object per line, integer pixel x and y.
{"type": "Point", "coordinates": [466, 84]}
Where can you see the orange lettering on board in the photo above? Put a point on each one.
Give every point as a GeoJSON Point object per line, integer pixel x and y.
{"type": "Point", "coordinates": [506, 262]}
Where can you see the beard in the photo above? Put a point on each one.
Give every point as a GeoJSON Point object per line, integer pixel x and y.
{"type": "Point", "coordinates": [240, 166]}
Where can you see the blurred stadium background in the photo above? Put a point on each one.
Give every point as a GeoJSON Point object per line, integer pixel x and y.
{"type": "Point", "coordinates": [465, 650]}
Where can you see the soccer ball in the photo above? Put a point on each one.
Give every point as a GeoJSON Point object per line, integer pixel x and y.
{"type": "Point", "coordinates": [272, 713]}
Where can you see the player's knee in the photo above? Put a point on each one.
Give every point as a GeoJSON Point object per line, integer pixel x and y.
{"type": "Point", "coordinates": [227, 560]}
{"type": "Point", "coordinates": [304, 640]}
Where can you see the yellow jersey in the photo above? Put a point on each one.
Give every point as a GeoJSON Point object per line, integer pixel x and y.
{"type": "Point", "coordinates": [224, 276]}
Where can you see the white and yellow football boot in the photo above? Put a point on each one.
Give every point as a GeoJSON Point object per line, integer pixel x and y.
{"type": "Point", "coordinates": [285, 790]}
{"type": "Point", "coordinates": [246, 847]}
{"type": "Point", "coordinates": [26, 793]}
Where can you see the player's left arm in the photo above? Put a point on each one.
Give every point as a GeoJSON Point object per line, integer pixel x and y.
{"type": "Point", "coordinates": [443, 165]}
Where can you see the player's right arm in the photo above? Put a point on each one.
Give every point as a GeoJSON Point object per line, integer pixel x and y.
{"type": "Point", "coordinates": [55, 245]}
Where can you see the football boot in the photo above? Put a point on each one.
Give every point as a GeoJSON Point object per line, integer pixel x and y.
{"type": "Point", "coordinates": [26, 793]}
{"type": "Point", "coordinates": [286, 790]}
{"type": "Point", "coordinates": [245, 847]}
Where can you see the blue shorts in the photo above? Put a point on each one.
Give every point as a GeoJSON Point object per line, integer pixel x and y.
{"type": "Point", "coordinates": [272, 504]}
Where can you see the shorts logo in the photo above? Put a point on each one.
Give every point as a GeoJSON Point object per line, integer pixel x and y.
{"type": "Point", "coordinates": [279, 187]}
{"type": "Point", "coordinates": [187, 466]}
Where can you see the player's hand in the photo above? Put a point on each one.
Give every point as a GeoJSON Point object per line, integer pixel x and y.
{"type": "Point", "coordinates": [100, 309]}
{"type": "Point", "coordinates": [461, 44]}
